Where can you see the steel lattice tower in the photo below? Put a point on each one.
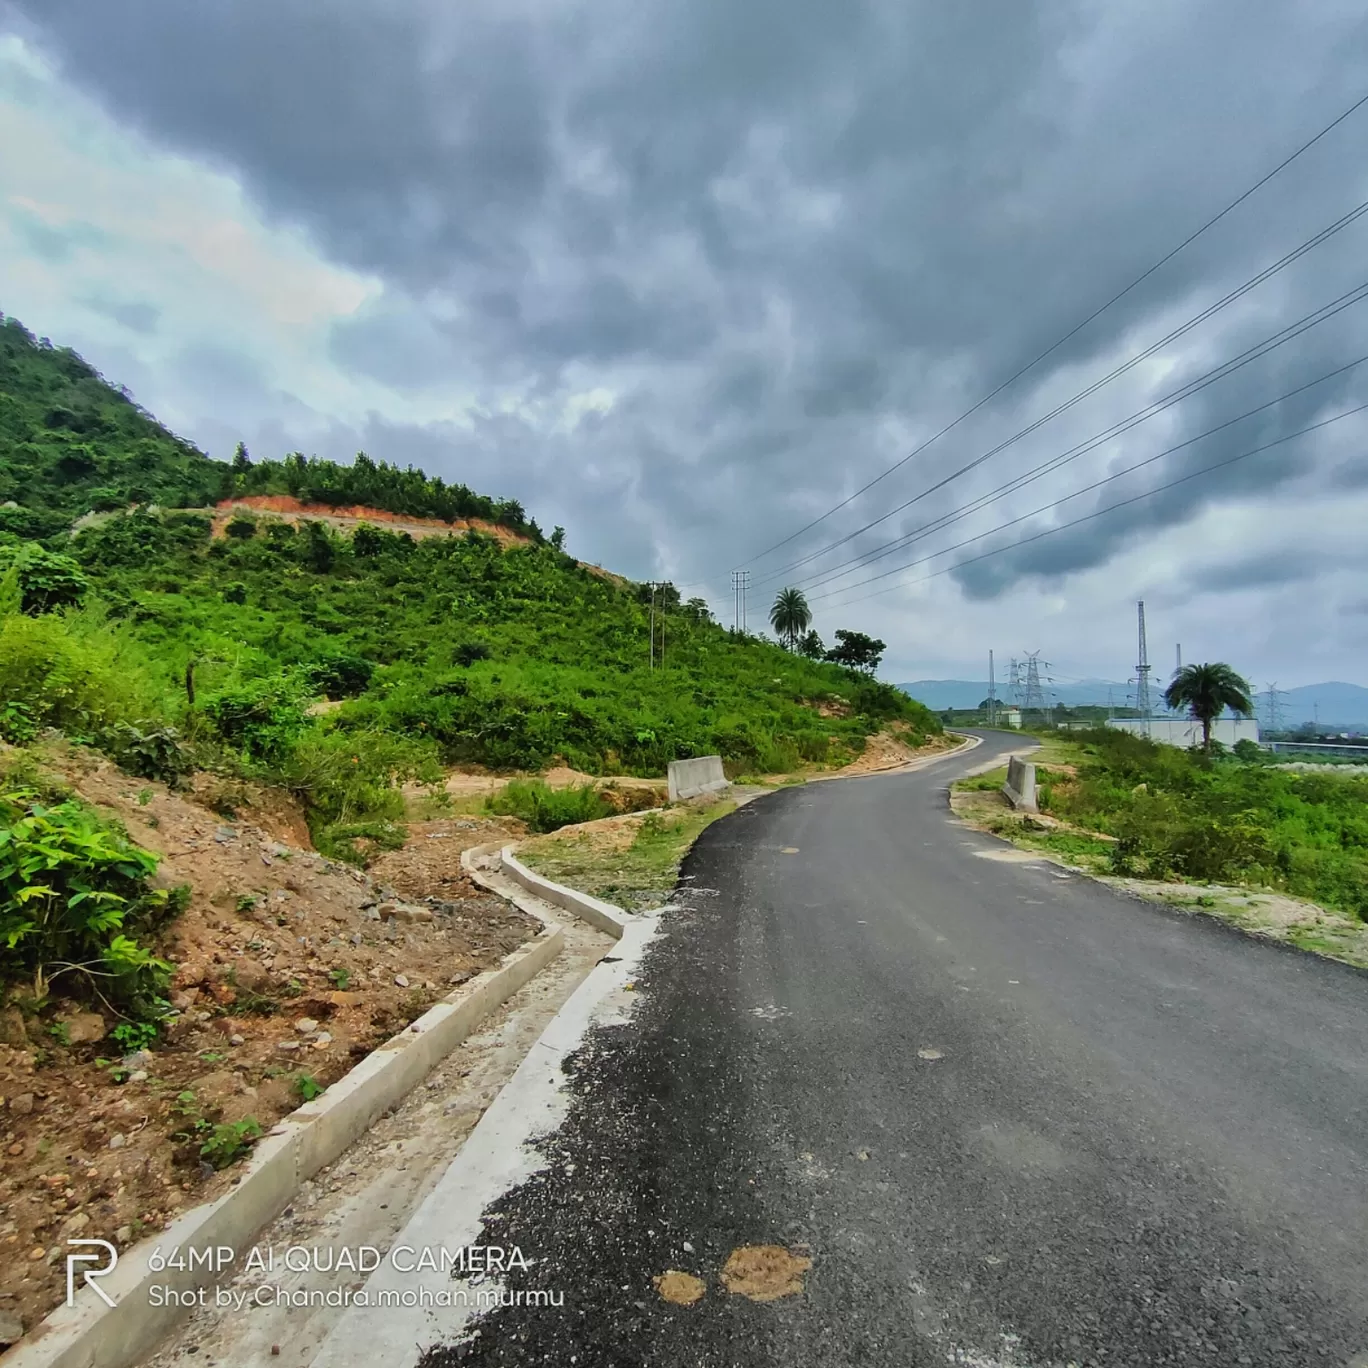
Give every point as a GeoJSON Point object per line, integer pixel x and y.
{"type": "Point", "coordinates": [1142, 673]}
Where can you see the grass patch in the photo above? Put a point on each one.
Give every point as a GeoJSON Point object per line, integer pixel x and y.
{"type": "Point", "coordinates": [639, 874]}
{"type": "Point", "coordinates": [546, 809]}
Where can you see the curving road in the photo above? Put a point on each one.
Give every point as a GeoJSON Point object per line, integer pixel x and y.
{"type": "Point", "coordinates": [1014, 1118]}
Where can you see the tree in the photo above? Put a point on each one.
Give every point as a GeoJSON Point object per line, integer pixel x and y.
{"type": "Point", "coordinates": [1206, 691]}
{"type": "Point", "coordinates": [790, 616]}
{"type": "Point", "coordinates": [242, 460]}
{"type": "Point", "coordinates": [319, 549]}
{"type": "Point", "coordinates": [41, 580]}
{"type": "Point", "coordinates": [558, 539]}
{"type": "Point", "coordinates": [811, 646]}
{"type": "Point", "coordinates": [856, 651]}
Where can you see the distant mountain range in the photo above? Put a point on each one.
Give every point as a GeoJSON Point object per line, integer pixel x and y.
{"type": "Point", "coordinates": [1333, 704]}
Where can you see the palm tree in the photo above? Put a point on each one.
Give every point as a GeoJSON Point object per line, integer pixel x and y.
{"type": "Point", "coordinates": [790, 617]}
{"type": "Point", "coordinates": [1206, 691]}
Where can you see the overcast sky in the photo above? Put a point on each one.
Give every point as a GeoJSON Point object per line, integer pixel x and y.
{"type": "Point", "coordinates": [682, 275]}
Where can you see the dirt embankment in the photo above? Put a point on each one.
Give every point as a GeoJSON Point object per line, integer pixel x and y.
{"type": "Point", "coordinates": [291, 968]}
{"type": "Point", "coordinates": [471, 782]}
{"type": "Point", "coordinates": [889, 749]}
{"type": "Point", "coordinates": [286, 508]}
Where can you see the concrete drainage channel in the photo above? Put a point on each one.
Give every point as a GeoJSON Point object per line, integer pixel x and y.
{"type": "Point", "coordinates": [403, 1309]}
{"type": "Point", "coordinates": [91, 1333]}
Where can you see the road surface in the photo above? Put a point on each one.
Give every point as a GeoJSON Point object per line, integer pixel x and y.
{"type": "Point", "coordinates": [1011, 1116]}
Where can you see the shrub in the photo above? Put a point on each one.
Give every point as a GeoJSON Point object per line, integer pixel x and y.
{"type": "Point", "coordinates": [229, 1141]}
{"type": "Point", "coordinates": [74, 892]}
{"type": "Point", "coordinates": [45, 580]}
{"type": "Point", "coordinates": [150, 752]}
{"type": "Point", "coordinates": [349, 782]}
{"type": "Point", "coordinates": [74, 670]}
{"type": "Point", "coordinates": [468, 652]}
{"type": "Point", "coordinates": [340, 676]}
{"type": "Point", "coordinates": [261, 717]}
{"type": "Point", "coordinates": [547, 809]}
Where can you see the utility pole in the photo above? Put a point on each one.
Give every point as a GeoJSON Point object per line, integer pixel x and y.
{"type": "Point", "coordinates": [992, 693]}
{"type": "Point", "coordinates": [653, 589]}
{"type": "Point", "coordinates": [1142, 672]}
{"type": "Point", "coordinates": [740, 583]}
{"type": "Point", "coordinates": [1180, 655]}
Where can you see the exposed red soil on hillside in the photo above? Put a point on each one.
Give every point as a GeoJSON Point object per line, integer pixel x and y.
{"type": "Point", "coordinates": [292, 510]}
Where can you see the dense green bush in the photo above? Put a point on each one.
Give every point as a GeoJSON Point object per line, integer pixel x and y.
{"type": "Point", "coordinates": [77, 671]}
{"type": "Point", "coordinates": [75, 894]}
{"type": "Point", "coordinates": [547, 809]}
{"type": "Point", "coordinates": [349, 782]}
{"type": "Point", "coordinates": [1177, 813]}
{"type": "Point", "coordinates": [44, 580]}
{"type": "Point", "coordinates": [261, 717]}
{"type": "Point", "coordinates": [150, 753]}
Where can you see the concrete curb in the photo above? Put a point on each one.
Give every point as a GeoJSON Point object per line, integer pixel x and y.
{"type": "Point", "coordinates": [597, 913]}
{"type": "Point", "coordinates": [90, 1334]}
{"type": "Point", "coordinates": [499, 1153]}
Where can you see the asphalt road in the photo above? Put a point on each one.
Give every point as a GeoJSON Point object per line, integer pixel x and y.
{"type": "Point", "coordinates": [1013, 1118]}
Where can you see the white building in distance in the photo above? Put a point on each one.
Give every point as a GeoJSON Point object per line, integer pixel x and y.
{"type": "Point", "coordinates": [1186, 731]}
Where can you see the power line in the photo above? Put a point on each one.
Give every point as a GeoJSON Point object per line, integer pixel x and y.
{"type": "Point", "coordinates": [1144, 275]}
{"type": "Point", "coordinates": [1087, 489]}
{"type": "Point", "coordinates": [1260, 349]}
{"type": "Point", "coordinates": [1087, 517]}
{"type": "Point", "coordinates": [1267, 273]}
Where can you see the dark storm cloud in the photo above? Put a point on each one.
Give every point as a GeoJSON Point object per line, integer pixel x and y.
{"type": "Point", "coordinates": [778, 232]}
{"type": "Point", "coordinates": [1255, 456]}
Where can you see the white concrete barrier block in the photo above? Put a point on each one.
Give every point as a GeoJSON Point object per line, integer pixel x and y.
{"type": "Point", "coordinates": [1020, 787]}
{"type": "Point", "coordinates": [692, 778]}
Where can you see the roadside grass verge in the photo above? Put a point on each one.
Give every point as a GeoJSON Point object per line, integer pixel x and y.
{"type": "Point", "coordinates": [631, 861]}
{"type": "Point", "coordinates": [1280, 855]}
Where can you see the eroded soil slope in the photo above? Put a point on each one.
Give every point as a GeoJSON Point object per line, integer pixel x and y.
{"type": "Point", "coordinates": [291, 968]}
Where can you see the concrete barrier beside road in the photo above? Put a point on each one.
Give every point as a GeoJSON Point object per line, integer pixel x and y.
{"type": "Point", "coordinates": [690, 778]}
{"type": "Point", "coordinates": [1020, 787]}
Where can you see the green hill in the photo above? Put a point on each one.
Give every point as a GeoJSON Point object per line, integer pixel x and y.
{"type": "Point", "coordinates": [71, 443]}
{"type": "Point", "coordinates": [146, 635]}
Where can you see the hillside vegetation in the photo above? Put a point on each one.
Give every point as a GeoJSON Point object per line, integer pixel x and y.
{"type": "Point", "coordinates": [169, 648]}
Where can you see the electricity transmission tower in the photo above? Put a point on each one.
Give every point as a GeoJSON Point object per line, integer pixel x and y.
{"type": "Point", "coordinates": [1142, 673]}
{"type": "Point", "coordinates": [1035, 695]}
{"type": "Point", "coordinates": [1274, 709]}
{"type": "Point", "coordinates": [740, 583]}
